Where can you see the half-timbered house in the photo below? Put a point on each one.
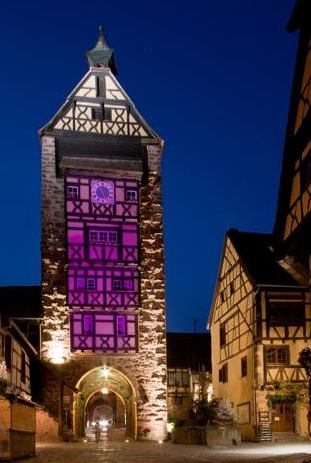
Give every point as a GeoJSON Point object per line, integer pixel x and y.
{"type": "Point", "coordinates": [17, 410]}
{"type": "Point", "coordinates": [102, 260]}
{"type": "Point", "coordinates": [293, 221]}
{"type": "Point", "coordinates": [189, 376]}
{"type": "Point", "coordinates": [259, 322]}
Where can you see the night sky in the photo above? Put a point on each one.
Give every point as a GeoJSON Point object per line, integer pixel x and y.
{"type": "Point", "coordinates": [211, 78]}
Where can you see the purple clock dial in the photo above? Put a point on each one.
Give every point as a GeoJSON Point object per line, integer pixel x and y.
{"type": "Point", "coordinates": [102, 191]}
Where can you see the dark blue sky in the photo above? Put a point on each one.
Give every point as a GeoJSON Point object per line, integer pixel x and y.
{"type": "Point", "coordinates": [212, 78]}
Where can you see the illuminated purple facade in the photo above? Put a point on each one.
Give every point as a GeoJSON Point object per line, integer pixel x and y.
{"type": "Point", "coordinates": [102, 253]}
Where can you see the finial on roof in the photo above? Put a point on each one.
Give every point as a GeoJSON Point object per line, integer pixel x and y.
{"type": "Point", "coordinates": [101, 54]}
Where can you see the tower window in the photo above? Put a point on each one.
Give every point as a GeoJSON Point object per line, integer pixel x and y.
{"type": "Point", "coordinates": [122, 285]}
{"type": "Point", "coordinates": [121, 325]}
{"type": "Point", "coordinates": [103, 236]}
{"type": "Point", "coordinates": [100, 113]}
{"type": "Point", "coordinates": [72, 192]}
{"type": "Point", "coordinates": [87, 324]}
{"type": "Point", "coordinates": [130, 195]}
{"type": "Point", "coordinates": [90, 284]}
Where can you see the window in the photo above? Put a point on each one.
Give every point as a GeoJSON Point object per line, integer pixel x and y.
{"type": "Point", "coordinates": [121, 325]}
{"type": "Point", "coordinates": [244, 366]}
{"type": "Point", "coordinates": [100, 113]}
{"type": "Point", "coordinates": [23, 368]}
{"type": "Point", "coordinates": [91, 284]}
{"type": "Point", "coordinates": [87, 324]}
{"type": "Point", "coordinates": [222, 296]}
{"type": "Point", "coordinates": [130, 195]}
{"type": "Point", "coordinates": [171, 378]}
{"type": "Point", "coordinates": [223, 374]}
{"type": "Point", "coordinates": [231, 287]}
{"type": "Point", "coordinates": [286, 313]}
{"type": "Point", "coordinates": [277, 355]}
{"type": "Point", "coordinates": [178, 378]}
{"type": "Point", "coordinates": [222, 335]}
{"type": "Point", "coordinates": [8, 351]}
{"type": "Point", "coordinates": [185, 378]}
{"type": "Point", "coordinates": [305, 172]}
{"type": "Point", "coordinates": [122, 285]}
{"type": "Point", "coordinates": [103, 236]}
{"type": "Point", "coordinates": [72, 192]}
{"type": "Point", "coordinates": [80, 283]}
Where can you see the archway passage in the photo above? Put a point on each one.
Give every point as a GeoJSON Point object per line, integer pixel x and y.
{"type": "Point", "coordinates": [105, 414]}
{"type": "Point", "coordinates": [107, 399]}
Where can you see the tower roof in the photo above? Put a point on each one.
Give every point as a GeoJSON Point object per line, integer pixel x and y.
{"type": "Point", "coordinates": [102, 54]}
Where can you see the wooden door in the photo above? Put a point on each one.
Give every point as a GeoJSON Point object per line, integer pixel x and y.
{"type": "Point", "coordinates": [283, 416]}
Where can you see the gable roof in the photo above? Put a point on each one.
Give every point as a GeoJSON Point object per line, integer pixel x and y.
{"type": "Point", "coordinates": [257, 256]}
{"type": "Point", "coordinates": [77, 114]}
{"type": "Point", "coordinates": [189, 350]}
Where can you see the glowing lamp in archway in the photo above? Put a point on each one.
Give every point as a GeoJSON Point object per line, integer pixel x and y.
{"type": "Point", "coordinates": [105, 372]}
{"type": "Point", "coordinates": [57, 354]}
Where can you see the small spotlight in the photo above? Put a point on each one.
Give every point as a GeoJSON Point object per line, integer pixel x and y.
{"type": "Point", "coordinates": [127, 441]}
{"type": "Point", "coordinates": [105, 372]}
{"type": "Point", "coordinates": [160, 441]}
{"type": "Point", "coordinates": [85, 441]}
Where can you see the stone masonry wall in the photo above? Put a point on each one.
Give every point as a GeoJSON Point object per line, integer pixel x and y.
{"type": "Point", "coordinates": [146, 369]}
{"type": "Point", "coordinates": [55, 330]}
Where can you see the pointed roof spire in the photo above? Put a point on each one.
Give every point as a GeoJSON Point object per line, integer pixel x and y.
{"type": "Point", "coordinates": [101, 54]}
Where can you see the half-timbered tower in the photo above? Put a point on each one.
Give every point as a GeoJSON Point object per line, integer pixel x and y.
{"type": "Point", "coordinates": [259, 322]}
{"type": "Point", "coordinates": [293, 221]}
{"type": "Point", "coordinates": [102, 260]}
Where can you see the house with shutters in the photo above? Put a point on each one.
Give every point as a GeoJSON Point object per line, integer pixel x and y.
{"type": "Point", "coordinates": [260, 318]}
{"type": "Point", "coordinates": [259, 322]}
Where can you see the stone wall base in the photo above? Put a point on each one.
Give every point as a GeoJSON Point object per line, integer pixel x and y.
{"type": "Point", "coordinates": [207, 435]}
{"type": "Point", "coordinates": [47, 428]}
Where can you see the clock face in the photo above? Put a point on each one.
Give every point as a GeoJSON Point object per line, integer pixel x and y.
{"type": "Point", "coordinates": [102, 191]}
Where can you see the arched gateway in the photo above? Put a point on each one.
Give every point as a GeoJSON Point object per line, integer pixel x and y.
{"type": "Point", "coordinates": [106, 396]}
{"type": "Point", "coordinates": [102, 259]}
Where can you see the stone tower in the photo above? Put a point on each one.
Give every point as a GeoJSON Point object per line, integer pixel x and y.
{"type": "Point", "coordinates": [103, 289]}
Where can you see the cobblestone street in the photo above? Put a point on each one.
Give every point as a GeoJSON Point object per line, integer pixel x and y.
{"type": "Point", "coordinates": [141, 452]}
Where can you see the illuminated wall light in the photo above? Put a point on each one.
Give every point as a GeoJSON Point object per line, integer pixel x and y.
{"type": "Point", "coordinates": [57, 354]}
{"type": "Point", "coordinates": [104, 390]}
{"type": "Point", "coordinates": [105, 372]}
{"type": "Point", "coordinates": [160, 441]}
{"type": "Point", "coordinates": [170, 426]}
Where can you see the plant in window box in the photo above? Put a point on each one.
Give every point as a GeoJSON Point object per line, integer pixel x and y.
{"type": "Point", "coordinates": [286, 390]}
